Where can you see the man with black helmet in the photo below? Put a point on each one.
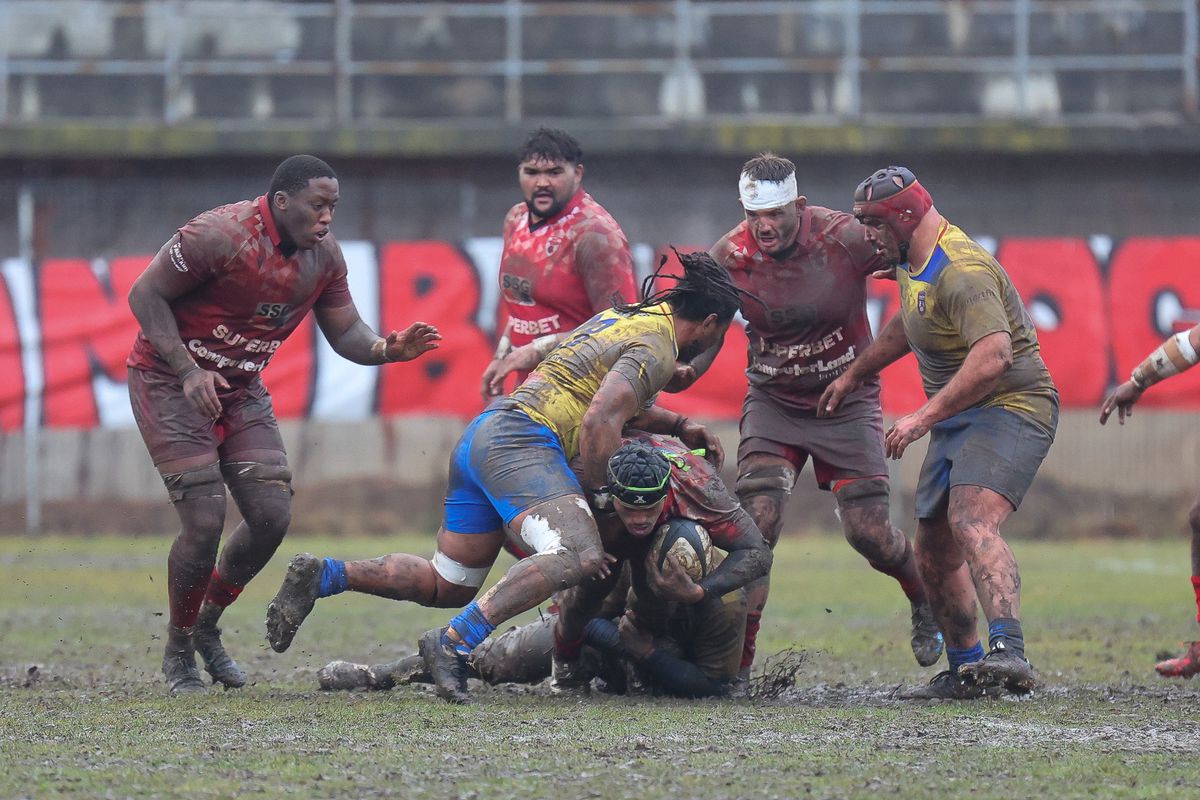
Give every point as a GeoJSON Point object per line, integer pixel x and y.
{"type": "Point", "coordinates": [991, 413]}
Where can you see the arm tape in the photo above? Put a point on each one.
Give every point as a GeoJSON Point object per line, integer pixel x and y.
{"type": "Point", "coordinates": [1175, 355]}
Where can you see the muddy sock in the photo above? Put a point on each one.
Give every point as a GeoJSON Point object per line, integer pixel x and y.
{"type": "Point", "coordinates": [472, 628]}
{"type": "Point", "coordinates": [959, 656]}
{"type": "Point", "coordinates": [1196, 588]}
{"type": "Point", "coordinates": [333, 578]}
{"type": "Point", "coordinates": [1008, 630]}
{"type": "Point", "coordinates": [220, 591]}
{"type": "Point", "coordinates": [750, 643]}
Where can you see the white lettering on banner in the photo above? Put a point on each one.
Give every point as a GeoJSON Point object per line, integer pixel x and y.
{"type": "Point", "coordinates": [536, 327]}
{"type": "Point", "coordinates": [818, 367]}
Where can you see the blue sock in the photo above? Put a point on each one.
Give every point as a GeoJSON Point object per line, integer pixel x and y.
{"type": "Point", "coordinates": [472, 627]}
{"type": "Point", "coordinates": [959, 656]}
{"type": "Point", "coordinates": [1008, 630]}
{"type": "Point", "coordinates": [333, 578]}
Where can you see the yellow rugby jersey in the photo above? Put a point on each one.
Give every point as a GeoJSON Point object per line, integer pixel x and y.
{"type": "Point", "coordinates": [957, 297]}
{"type": "Point", "coordinates": [638, 345]}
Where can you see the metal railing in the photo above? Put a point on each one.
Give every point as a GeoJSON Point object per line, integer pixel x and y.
{"type": "Point", "coordinates": [257, 63]}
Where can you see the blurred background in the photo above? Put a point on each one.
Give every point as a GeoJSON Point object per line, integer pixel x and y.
{"type": "Point", "coordinates": [1063, 135]}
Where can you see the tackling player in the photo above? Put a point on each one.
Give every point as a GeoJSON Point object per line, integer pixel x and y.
{"type": "Point", "coordinates": [991, 413]}
{"type": "Point", "coordinates": [1176, 354]}
{"type": "Point", "coordinates": [810, 266]}
{"type": "Point", "coordinates": [509, 473]}
{"type": "Point", "coordinates": [565, 258]}
{"type": "Point", "coordinates": [214, 305]}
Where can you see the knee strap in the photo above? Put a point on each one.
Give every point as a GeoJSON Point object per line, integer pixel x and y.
{"type": "Point", "coordinates": [457, 573]}
{"type": "Point", "coordinates": [195, 484]}
{"type": "Point", "coordinates": [863, 492]}
{"type": "Point", "coordinates": [249, 472]}
{"type": "Point", "coordinates": [775, 481]}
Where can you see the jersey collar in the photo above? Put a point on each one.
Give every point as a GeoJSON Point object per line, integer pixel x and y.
{"type": "Point", "coordinates": [264, 211]}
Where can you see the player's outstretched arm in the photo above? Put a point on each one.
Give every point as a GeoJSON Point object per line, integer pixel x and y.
{"type": "Point", "coordinates": [519, 359]}
{"type": "Point", "coordinates": [693, 434]}
{"type": "Point", "coordinates": [353, 339]}
{"type": "Point", "coordinates": [613, 405]}
{"type": "Point", "coordinates": [1173, 356]}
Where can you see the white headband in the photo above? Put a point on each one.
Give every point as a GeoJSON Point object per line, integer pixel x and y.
{"type": "Point", "coordinates": [760, 195]}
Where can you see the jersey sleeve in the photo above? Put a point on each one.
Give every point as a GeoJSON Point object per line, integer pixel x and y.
{"type": "Point", "coordinates": [336, 292]}
{"type": "Point", "coordinates": [648, 364]}
{"type": "Point", "coordinates": [605, 266]}
{"type": "Point", "coordinates": [203, 247]}
{"type": "Point", "coordinates": [972, 298]}
{"type": "Point", "coordinates": [702, 496]}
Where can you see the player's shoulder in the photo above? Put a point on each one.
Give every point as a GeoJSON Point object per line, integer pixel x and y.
{"type": "Point", "coordinates": [591, 217]}
{"type": "Point", "coordinates": [962, 249]}
{"type": "Point", "coordinates": [736, 248]}
{"type": "Point", "coordinates": [514, 215]}
{"type": "Point", "coordinates": [329, 253]}
{"type": "Point", "coordinates": [223, 231]}
{"type": "Point", "coordinates": [832, 223]}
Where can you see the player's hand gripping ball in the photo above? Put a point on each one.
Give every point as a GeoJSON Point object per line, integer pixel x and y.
{"type": "Point", "coordinates": [688, 542]}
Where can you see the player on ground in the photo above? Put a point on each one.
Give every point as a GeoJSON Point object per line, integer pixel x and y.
{"type": "Point", "coordinates": [991, 413]}
{"type": "Point", "coordinates": [810, 266]}
{"type": "Point", "coordinates": [214, 305]}
{"type": "Point", "coordinates": [1176, 354]}
{"type": "Point", "coordinates": [565, 258]}
{"type": "Point", "coordinates": [509, 473]}
{"type": "Point", "coordinates": [686, 636]}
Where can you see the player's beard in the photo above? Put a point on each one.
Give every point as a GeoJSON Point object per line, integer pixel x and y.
{"type": "Point", "coordinates": [556, 206]}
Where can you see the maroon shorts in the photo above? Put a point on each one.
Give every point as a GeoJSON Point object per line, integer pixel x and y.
{"type": "Point", "coordinates": [173, 428]}
{"type": "Point", "coordinates": [845, 446]}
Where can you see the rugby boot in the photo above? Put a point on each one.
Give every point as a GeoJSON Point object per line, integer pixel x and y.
{"type": "Point", "coordinates": [446, 666]}
{"type": "Point", "coordinates": [345, 675]}
{"type": "Point", "coordinates": [341, 676]}
{"type": "Point", "coordinates": [1185, 666]}
{"type": "Point", "coordinates": [946, 685]}
{"type": "Point", "coordinates": [1001, 667]}
{"type": "Point", "coordinates": [179, 664]}
{"type": "Point", "coordinates": [217, 663]}
{"type": "Point", "coordinates": [568, 677]}
{"type": "Point", "coordinates": [927, 642]}
{"type": "Point", "coordinates": [294, 601]}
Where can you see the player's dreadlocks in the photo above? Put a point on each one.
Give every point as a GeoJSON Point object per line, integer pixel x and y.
{"type": "Point", "coordinates": [704, 288]}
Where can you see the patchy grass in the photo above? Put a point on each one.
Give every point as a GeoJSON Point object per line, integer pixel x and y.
{"type": "Point", "coordinates": [94, 720]}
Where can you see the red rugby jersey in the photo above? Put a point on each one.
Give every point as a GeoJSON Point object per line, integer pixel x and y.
{"type": "Point", "coordinates": [813, 318]}
{"type": "Point", "coordinates": [560, 273]}
{"type": "Point", "coordinates": [249, 297]}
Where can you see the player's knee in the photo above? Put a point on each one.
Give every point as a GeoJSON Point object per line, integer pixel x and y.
{"type": "Point", "coordinates": [264, 495]}
{"type": "Point", "coordinates": [199, 498]}
{"type": "Point", "coordinates": [454, 583]}
{"type": "Point", "coordinates": [763, 491]}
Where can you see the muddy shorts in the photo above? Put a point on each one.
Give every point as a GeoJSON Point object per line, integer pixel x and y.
{"type": "Point", "coordinates": [173, 428]}
{"type": "Point", "coordinates": [845, 446]}
{"type": "Point", "coordinates": [994, 448]}
{"type": "Point", "coordinates": [504, 464]}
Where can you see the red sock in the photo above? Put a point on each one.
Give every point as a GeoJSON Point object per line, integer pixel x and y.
{"type": "Point", "coordinates": [568, 651]}
{"type": "Point", "coordinates": [220, 591]}
{"type": "Point", "coordinates": [1196, 588]}
{"type": "Point", "coordinates": [185, 611]}
{"type": "Point", "coordinates": [750, 644]}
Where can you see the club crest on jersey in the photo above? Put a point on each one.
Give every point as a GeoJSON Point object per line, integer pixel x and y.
{"type": "Point", "coordinates": [552, 245]}
{"type": "Point", "coordinates": [921, 302]}
{"type": "Point", "coordinates": [177, 261]}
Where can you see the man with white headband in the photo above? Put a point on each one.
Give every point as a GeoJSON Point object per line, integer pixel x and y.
{"type": "Point", "coordinates": [1176, 354]}
{"type": "Point", "coordinates": [991, 414]}
{"type": "Point", "coordinates": [809, 266]}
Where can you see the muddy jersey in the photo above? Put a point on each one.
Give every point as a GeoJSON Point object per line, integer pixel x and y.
{"type": "Point", "coordinates": [639, 345]}
{"type": "Point", "coordinates": [812, 321]}
{"type": "Point", "coordinates": [957, 297]}
{"type": "Point", "coordinates": [248, 295]}
{"type": "Point", "coordinates": [555, 274]}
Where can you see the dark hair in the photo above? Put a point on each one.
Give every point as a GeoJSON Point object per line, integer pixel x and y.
{"type": "Point", "coordinates": [704, 288]}
{"type": "Point", "coordinates": [768, 167]}
{"type": "Point", "coordinates": [551, 144]}
{"type": "Point", "coordinates": [638, 474]}
{"type": "Point", "coordinates": [296, 171]}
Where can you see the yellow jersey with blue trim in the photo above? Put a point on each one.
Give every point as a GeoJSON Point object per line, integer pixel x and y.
{"type": "Point", "coordinates": [958, 296]}
{"type": "Point", "coordinates": [638, 345]}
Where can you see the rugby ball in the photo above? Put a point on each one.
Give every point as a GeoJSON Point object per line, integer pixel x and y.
{"type": "Point", "coordinates": [688, 542]}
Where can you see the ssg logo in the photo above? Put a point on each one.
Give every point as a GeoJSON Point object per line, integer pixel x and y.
{"type": "Point", "coordinates": [518, 290]}
{"type": "Point", "coordinates": [273, 311]}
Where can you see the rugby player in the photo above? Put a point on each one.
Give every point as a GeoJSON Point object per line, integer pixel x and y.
{"type": "Point", "coordinates": [564, 259]}
{"type": "Point", "coordinates": [810, 266]}
{"type": "Point", "coordinates": [214, 305]}
{"type": "Point", "coordinates": [685, 636]}
{"type": "Point", "coordinates": [509, 473]}
{"type": "Point", "coordinates": [991, 413]}
{"type": "Point", "coordinates": [1175, 355]}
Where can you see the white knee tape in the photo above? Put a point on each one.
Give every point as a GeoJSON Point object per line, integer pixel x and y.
{"type": "Point", "coordinates": [539, 534]}
{"type": "Point", "coordinates": [458, 574]}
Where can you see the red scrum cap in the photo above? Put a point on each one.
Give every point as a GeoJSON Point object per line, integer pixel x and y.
{"type": "Point", "coordinates": [893, 196]}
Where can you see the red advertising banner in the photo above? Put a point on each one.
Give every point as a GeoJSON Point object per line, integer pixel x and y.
{"type": "Point", "coordinates": [66, 328]}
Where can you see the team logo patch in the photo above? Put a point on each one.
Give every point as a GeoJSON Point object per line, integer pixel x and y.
{"type": "Point", "coordinates": [553, 244]}
{"type": "Point", "coordinates": [517, 289]}
{"type": "Point", "coordinates": [176, 253]}
{"type": "Point", "coordinates": [921, 303]}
